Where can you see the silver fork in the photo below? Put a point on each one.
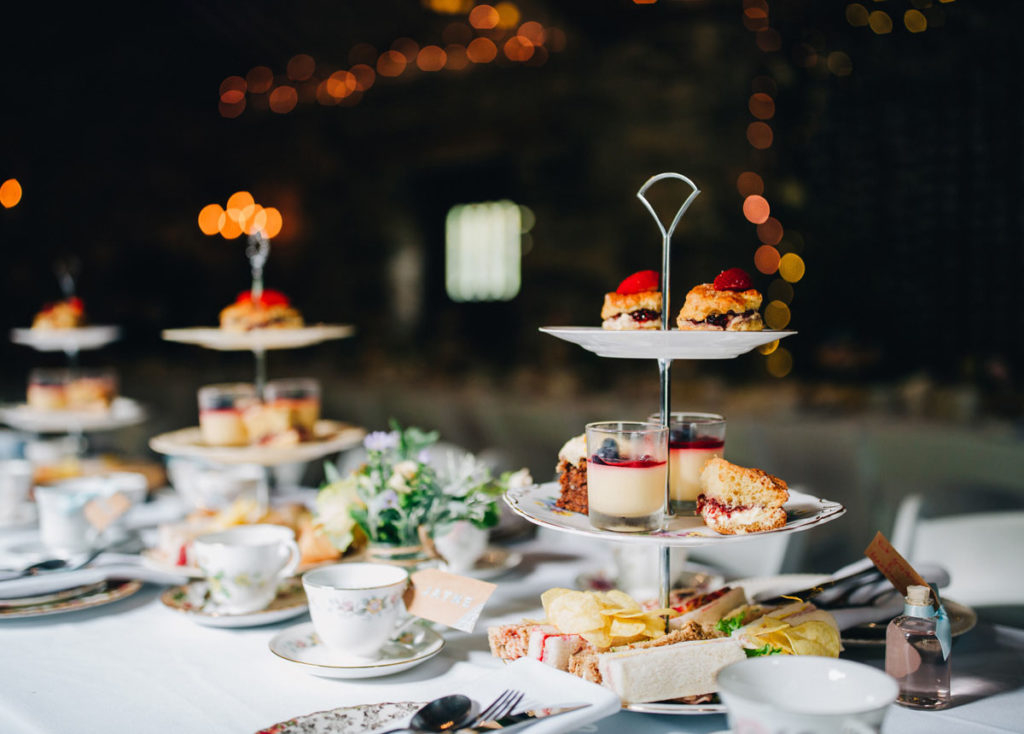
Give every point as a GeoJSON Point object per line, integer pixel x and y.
{"type": "Point", "coordinates": [500, 707]}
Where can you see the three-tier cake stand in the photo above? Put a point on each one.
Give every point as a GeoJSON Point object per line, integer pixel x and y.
{"type": "Point", "coordinates": [536, 503]}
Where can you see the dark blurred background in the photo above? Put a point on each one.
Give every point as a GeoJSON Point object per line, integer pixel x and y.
{"type": "Point", "coordinates": [884, 136]}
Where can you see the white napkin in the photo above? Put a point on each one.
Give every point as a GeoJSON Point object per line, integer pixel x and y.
{"type": "Point", "coordinates": [51, 581]}
{"type": "Point", "coordinates": [544, 687]}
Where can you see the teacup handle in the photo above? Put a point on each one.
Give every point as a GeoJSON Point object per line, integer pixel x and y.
{"type": "Point", "coordinates": [294, 556]}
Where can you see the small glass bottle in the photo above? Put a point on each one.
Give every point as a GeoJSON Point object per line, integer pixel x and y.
{"type": "Point", "coordinates": [916, 656]}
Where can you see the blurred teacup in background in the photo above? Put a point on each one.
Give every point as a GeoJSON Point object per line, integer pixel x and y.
{"type": "Point", "coordinates": [77, 515]}
{"type": "Point", "coordinates": [356, 607]}
{"type": "Point", "coordinates": [244, 565]}
{"type": "Point", "coordinates": [15, 483]}
{"type": "Point", "coordinates": [781, 694]}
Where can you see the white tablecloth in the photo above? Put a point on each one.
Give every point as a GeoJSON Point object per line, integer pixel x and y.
{"type": "Point", "coordinates": [135, 666]}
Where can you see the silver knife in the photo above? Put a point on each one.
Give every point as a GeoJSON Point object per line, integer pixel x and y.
{"type": "Point", "coordinates": [527, 716]}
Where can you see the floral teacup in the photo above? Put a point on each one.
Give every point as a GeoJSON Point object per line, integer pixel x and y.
{"type": "Point", "coordinates": [356, 606]}
{"type": "Point", "coordinates": [244, 565]}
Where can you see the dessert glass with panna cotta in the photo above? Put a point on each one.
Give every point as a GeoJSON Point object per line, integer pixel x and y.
{"type": "Point", "coordinates": [627, 471]}
{"type": "Point", "coordinates": [220, 413]}
{"type": "Point", "coordinates": [299, 398]}
{"type": "Point", "coordinates": [693, 438]}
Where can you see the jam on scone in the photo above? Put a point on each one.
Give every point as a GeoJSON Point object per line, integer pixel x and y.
{"type": "Point", "coordinates": [730, 303]}
{"type": "Point", "coordinates": [635, 304]}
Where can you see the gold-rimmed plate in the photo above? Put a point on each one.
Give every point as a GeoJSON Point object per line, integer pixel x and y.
{"type": "Point", "coordinates": [109, 592]}
{"type": "Point", "coordinates": [191, 600]}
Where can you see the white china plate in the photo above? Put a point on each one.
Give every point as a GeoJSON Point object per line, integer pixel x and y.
{"type": "Point", "coordinates": [536, 503]}
{"type": "Point", "coordinates": [329, 437]}
{"type": "Point", "coordinates": [346, 720]}
{"type": "Point", "coordinates": [111, 591]}
{"type": "Point", "coordinates": [28, 601]}
{"type": "Point", "coordinates": [122, 412]}
{"type": "Point", "coordinates": [660, 344]}
{"type": "Point", "coordinates": [494, 562]}
{"type": "Point", "coordinates": [66, 340]}
{"type": "Point", "coordinates": [190, 600]}
{"type": "Point", "coordinates": [300, 645]}
{"type": "Point", "coordinates": [260, 339]}
{"type": "Point", "coordinates": [675, 709]}
{"type": "Point", "coordinates": [24, 515]}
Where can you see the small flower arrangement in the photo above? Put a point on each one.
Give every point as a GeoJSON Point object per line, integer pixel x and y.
{"type": "Point", "coordinates": [401, 493]}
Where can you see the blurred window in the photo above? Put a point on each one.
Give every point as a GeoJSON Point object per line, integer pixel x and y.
{"type": "Point", "coordinates": [483, 251]}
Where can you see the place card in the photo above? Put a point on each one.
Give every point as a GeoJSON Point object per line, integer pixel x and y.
{"type": "Point", "coordinates": [455, 601]}
{"type": "Point", "coordinates": [893, 566]}
{"type": "Point", "coordinates": [103, 511]}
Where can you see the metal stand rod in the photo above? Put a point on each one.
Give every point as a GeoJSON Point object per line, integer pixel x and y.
{"type": "Point", "coordinates": [261, 371]}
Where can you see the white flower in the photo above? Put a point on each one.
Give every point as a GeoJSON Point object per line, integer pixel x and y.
{"type": "Point", "coordinates": [397, 483]}
{"type": "Point", "coordinates": [332, 511]}
{"type": "Point", "coordinates": [408, 469]}
{"type": "Point", "coordinates": [381, 441]}
{"type": "Point", "coordinates": [519, 479]}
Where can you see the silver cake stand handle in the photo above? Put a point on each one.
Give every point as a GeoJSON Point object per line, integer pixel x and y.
{"type": "Point", "coordinates": [258, 250]}
{"type": "Point", "coordinates": [665, 365]}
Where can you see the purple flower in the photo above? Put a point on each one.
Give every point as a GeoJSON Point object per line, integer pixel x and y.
{"type": "Point", "coordinates": [381, 441]}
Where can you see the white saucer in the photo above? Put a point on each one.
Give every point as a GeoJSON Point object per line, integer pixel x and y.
{"type": "Point", "coordinates": [24, 515]}
{"type": "Point", "coordinates": [121, 413]}
{"type": "Point", "coordinates": [191, 601]}
{"type": "Point", "coordinates": [66, 340]}
{"type": "Point", "coordinates": [494, 562]}
{"type": "Point", "coordinates": [300, 645]}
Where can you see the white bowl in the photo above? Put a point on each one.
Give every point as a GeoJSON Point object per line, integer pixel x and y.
{"type": "Point", "coordinates": [819, 695]}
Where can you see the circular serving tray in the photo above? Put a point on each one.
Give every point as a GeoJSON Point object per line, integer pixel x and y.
{"type": "Point", "coordinates": [659, 344]}
{"type": "Point", "coordinates": [122, 412]}
{"type": "Point", "coordinates": [260, 339]}
{"type": "Point", "coordinates": [329, 437]}
{"type": "Point", "coordinates": [66, 340]}
{"type": "Point", "coordinates": [536, 503]}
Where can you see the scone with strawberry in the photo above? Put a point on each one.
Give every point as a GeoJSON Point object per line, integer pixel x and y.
{"type": "Point", "coordinates": [270, 310]}
{"type": "Point", "coordinates": [635, 304]}
{"type": "Point", "coordinates": [730, 303]}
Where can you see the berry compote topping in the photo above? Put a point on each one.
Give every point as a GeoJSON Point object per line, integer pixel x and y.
{"type": "Point", "coordinates": [733, 279]}
{"type": "Point", "coordinates": [645, 280]}
{"type": "Point", "coordinates": [267, 298]}
{"type": "Point", "coordinates": [644, 314]}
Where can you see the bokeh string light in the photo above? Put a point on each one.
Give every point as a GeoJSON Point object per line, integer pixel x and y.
{"type": "Point", "coordinates": [10, 193]}
{"type": "Point", "coordinates": [240, 215]}
{"type": "Point", "coordinates": [488, 33]}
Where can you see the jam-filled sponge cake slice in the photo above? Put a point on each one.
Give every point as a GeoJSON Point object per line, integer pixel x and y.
{"type": "Point", "coordinates": [635, 304]}
{"type": "Point", "coordinates": [729, 304]}
{"type": "Point", "coordinates": [735, 500]}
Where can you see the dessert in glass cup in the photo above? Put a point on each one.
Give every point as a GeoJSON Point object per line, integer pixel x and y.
{"type": "Point", "coordinates": [693, 439]}
{"type": "Point", "coordinates": [627, 468]}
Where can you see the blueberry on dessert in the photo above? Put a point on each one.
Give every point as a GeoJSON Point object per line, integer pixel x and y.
{"type": "Point", "coordinates": [635, 304]}
{"type": "Point", "coordinates": [730, 303]}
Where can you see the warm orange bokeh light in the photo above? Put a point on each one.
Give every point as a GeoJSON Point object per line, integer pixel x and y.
{"type": "Point", "coordinates": [508, 14]}
{"type": "Point", "coordinates": [431, 58]}
{"type": "Point", "coordinates": [209, 219]}
{"type": "Point", "coordinates": [481, 50]}
{"type": "Point", "coordinates": [301, 67]}
{"type": "Point", "coordinates": [533, 31]}
{"type": "Point", "coordinates": [10, 193]}
{"type": "Point", "coordinates": [231, 110]}
{"type": "Point", "coordinates": [756, 209]}
{"type": "Point", "coordinates": [283, 99]}
{"type": "Point", "coordinates": [391, 63]}
{"type": "Point", "coordinates": [408, 48]}
{"type": "Point", "coordinates": [239, 200]}
{"type": "Point", "coordinates": [365, 76]}
{"type": "Point", "coordinates": [556, 39]}
{"type": "Point", "coordinates": [761, 106]}
{"type": "Point", "coordinates": [232, 96]}
{"type": "Point", "coordinates": [484, 17]}
{"type": "Point", "coordinates": [759, 135]}
{"type": "Point", "coordinates": [341, 84]}
{"type": "Point", "coordinates": [768, 40]}
{"type": "Point", "coordinates": [518, 48]}
{"type": "Point", "coordinates": [232, 84]}
{"type": "Point", "coordinates": [749, 183]}
{"type": "Point", "coordinates": [457, 59]}
{"type": "Point", "coordinates": [770, 231]}
{"type": "Point", "coordinates": [766, 259]}
{"type": "Point", "coordinates": [259, 79]}
{"type": "Point", "coordinates": [274, 222]}
{"type": "Point", "coordinates": [253, 219]}
{"type": "Point", "coordinates": [323, 96]}
{"type": "Point", "coordinates": [229, 227]}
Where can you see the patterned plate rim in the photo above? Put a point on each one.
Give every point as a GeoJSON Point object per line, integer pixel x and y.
{"type": "Point", "coordinates": [433, 649]}
{"type": "Point", "coordinates": [122, 590]}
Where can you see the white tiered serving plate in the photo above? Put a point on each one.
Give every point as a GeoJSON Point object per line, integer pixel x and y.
{"type": "Point", "coordinates": [259, 340]}
{"type": "Point", "coordinates": [536, 503]}
{"type": "Point", "coordinates": [329, 437]}
{"type": "Point", "coordinates": [122, 412]}
{"type": "Point", "coordinates": [66, 340]}
{"type": "Point", "coordinates": [659, 344]}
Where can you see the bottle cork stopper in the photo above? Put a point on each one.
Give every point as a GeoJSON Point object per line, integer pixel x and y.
{"type": "Point", "coordinates": [918, 596]}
